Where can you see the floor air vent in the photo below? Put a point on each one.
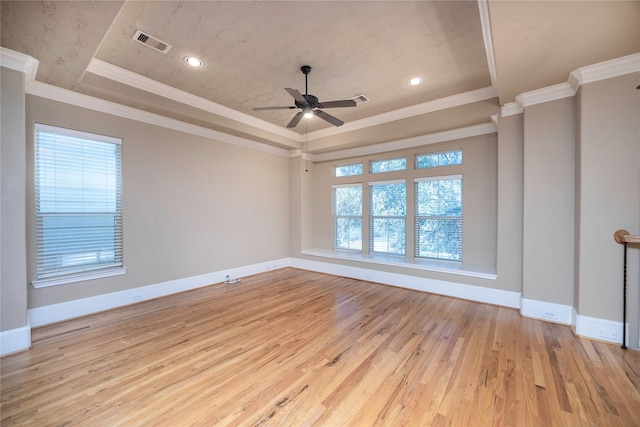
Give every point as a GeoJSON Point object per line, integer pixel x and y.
{"type": "Point", "coordinates": [151, 41]}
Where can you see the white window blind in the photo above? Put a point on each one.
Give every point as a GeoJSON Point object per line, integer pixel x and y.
{"type": "Point", "coordinates": [439, 217]}
{"type": "Point", "coordinates": [387, 220]}
{"type": "Point", "coordinates": [78, 189]}
{"type": "Point", "coordinates": [347, 216]}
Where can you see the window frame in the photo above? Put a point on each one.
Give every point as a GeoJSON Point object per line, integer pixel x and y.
{"type": "Point", "coordinates": [418, 218]}
{"type": "Point", "coordinates": [373, 217]}
{"type": "Point", "coordinates": [86, 270]}
{"type": "Point", "coordinates": [417, 156]}
{"type": "Point", "coordinates": [336, 217]}
{"type": "Point", "coordinates": [336, 167]}
{"type": "Point", "coordinates": [371, 163]}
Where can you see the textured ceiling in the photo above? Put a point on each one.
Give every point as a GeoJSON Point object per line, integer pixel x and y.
{"type": "Point", "coordinates": [254, 49]}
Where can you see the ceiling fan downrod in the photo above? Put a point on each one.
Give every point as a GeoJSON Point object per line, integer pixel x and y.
{"type": "Point", "coordinates": [305, 70]}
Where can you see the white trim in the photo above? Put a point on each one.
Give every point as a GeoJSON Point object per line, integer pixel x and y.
{"type": "Point", "coordinates": [606, 70]}
{"type": "Point", "coordinates": [440, 287]}
{"type": "Point", "coordinates": [80, 277]}
{"type": "Point", "coordinates": [546, 94]}
{"type": "Point", "coordinates": [547, 311]}
{"type": "Point", "coordinates": [485, 22]}
{"type": "Point", "coordinates": [448, 135]}
{"type": "Point", "coordinates": [449, 267]}
{"type": "Point", "coordinates": [407, 112]}
{"type": "Point", "coordinates": [437, 178]}
{"type": "Point", "coordinates": [113, 72]}
{"type": "Point", "coordinates": [15, 340]}
{"type": "Point", "coordinates": [511, 109]}
{"type": "Point", "coordinates": [355, 184]}
{"type": "Point", "coordinates": [85, 101]}
{"type": "Point", "coordinates": [19, 62]}
{"type": "Point", "coordinates": [587, 74]}
{"type": "Point", "coordinates": [388, 182]}
{"type": "Point", "coordinates": [78, 134]}
{"type": "Point", "coordinates": [599, 329]}
{"type": "Point", "coordinates": [126, 77]}
{"type": "Point", "coordinates": [81, 307]}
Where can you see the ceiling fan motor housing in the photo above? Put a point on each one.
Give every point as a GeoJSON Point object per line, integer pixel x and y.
{"type": "Point", "coordinates": [311, 100]}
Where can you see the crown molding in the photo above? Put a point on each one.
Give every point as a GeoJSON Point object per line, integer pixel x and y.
{"type": "Point", "coordinates": [605, 70]}
{"type": "Point", "coordinates": [404, 113]}
{"type": "Point", "coordinates": [511, 109]}
{"type": "Point", "coordinates": [126, 77]}
{"type": "Point", "coordinates": [17, 61]}
{"type": "Point", "coordinates": [448, 135]}
{"type": "Point", "coordinates": [485, 23]}
{"type": "Point", "coordinates": [578, 77]}
{"type": "Point", "coordinates": [546, 94]}
{"type": "Point", "coordinates": [66, 96]}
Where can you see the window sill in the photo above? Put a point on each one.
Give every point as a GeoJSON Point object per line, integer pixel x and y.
{"type": "Point", "coordinates": [63, 280]}
{"type": "Point", "coordinates": [418, 264]}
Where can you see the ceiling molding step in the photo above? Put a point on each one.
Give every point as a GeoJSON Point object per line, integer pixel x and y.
{"type": "Point", "coordinates": [485, 22]}
{"type": "Point", "coordinates": [605, 70]}
{"type": "Point", "coordinates": [66, 96]}
{"type": "Point", "coordinates": [511, 109]}
{"type": "Point", "coordinates": [546, 94]}
{"type": "Point", "coordinates": [126, 77]}
{"type": "Point", "coordinates": [464, 98]}
{"type": "Point", "coordinates": [417, 141]}
{"type": "Point", "coordinates": [19, 62]}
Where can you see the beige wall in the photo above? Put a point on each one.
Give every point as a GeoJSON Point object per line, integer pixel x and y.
{"type": "Point", "coordinates": [510, 202]}
{"type": "Point", "coordinates": [549, 187]}
{"type": "Point", "coordinates": [609, 194]}
{"type": "Point", "coordinates": [13, 256]}
{"type": "Point", "coordinates": [191, 205]}
{"type": "Point", "coordinates": [480, 180]}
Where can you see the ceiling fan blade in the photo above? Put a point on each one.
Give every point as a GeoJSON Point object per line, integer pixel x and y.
{"type": "Point", "coordinates": [273, 108]}
{"type": "Point", "coordinates": [337, 104]}
{"type": "Point", "coordinates": [296, 95]}
{"type": "Point", "coordinates": [295, 120]}
{"type": "Point", "coordinates": [328, 117]}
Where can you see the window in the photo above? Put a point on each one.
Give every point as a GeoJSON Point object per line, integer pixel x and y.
{"type": "Point", "coordinates": [347, 216]}
{"type": "Point", "coordinates": [78, 205]}
{"type": "Point", "coordinates": [444, 158]}
{"type": "Point", "coordinates": [388, 217]}
{"type": "Point", "coordinates": [390, 165]}
{"type": "Point", "coordinates": [439, 217]}
{"type": "Point", "coordinates": [348, 170]}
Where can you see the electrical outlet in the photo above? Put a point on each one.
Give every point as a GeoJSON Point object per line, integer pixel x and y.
{"type": "Point", "coordinates": [549, 314]}
{"type": "Point", "coordinates": [607, 334]}
{"type": "Point", "coordinates": [136, 297]}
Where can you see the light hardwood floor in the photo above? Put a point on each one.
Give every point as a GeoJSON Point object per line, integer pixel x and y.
{"type": "Point", "coordinates": [294, 348]}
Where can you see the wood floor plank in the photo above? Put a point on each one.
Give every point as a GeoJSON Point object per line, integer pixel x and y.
{"type": "Point", "coordinates": [295, 348]}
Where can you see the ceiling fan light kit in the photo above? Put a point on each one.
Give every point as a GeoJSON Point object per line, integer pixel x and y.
{"type": "Point", "coordinates": [309, 104]}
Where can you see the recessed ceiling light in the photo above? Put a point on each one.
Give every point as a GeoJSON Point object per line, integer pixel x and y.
{"type": "Point", "coordinates": [415, 81]}
{"type": "Point", "coordinates": [193, 61]}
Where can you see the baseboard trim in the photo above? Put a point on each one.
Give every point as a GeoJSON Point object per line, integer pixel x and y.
{"type": "Point", "coordinates": [599, 329]}
{"type": "Point", "coordinates": [45, 315]}
{"type": "Point", "coordinates": [15, 340]}
{"type": "Point", "coordinates": [19, 339]}
{"type": "Point", "coordinates": [440, 287]}
{"type": "Point", "coordinates": [547, 311]}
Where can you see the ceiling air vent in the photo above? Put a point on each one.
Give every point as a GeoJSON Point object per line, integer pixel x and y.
{"type": "Point", "coordinates": [151, 41]}
{"type": "Point", "coordinates": [360, 98]}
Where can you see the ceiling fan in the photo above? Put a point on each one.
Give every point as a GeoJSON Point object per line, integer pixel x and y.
{"type": "Point", "coordinates": [310, 105]}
